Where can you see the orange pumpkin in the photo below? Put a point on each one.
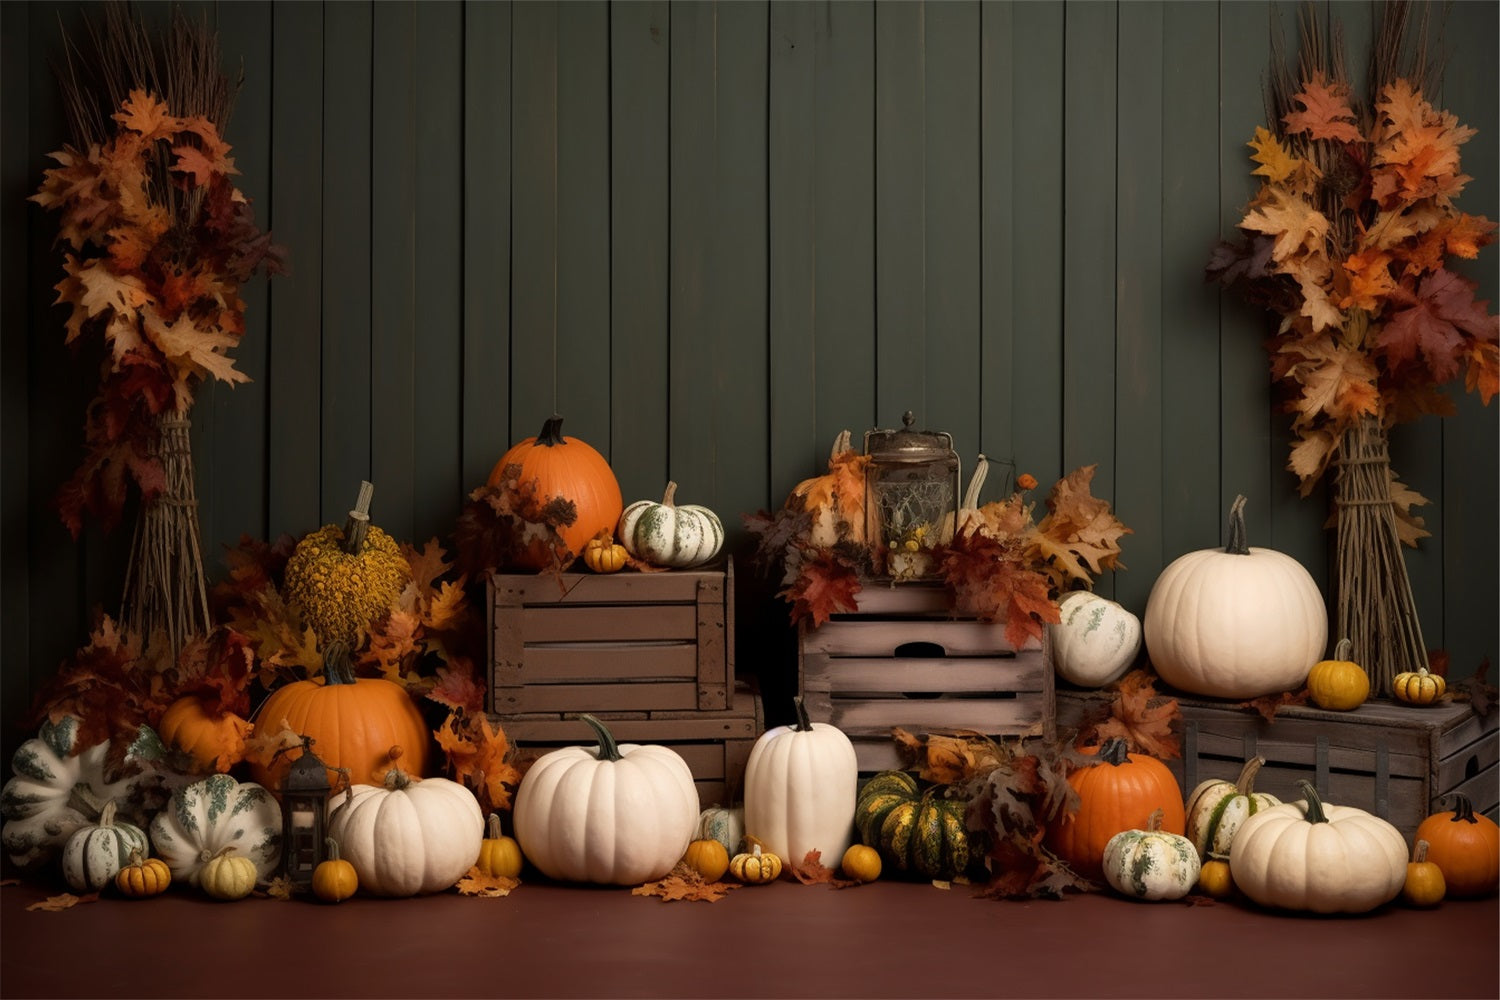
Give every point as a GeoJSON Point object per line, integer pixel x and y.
{"type": "Point", "coordinates": [1119, 793]}
{"type": "Point", "coordinates": [1466, 846]}
{"type": "Point", "coordinates": [361, 724]}
{"type": "Point", "coordinates": [215, 741]}
{"type": "Point", "coordinates": [570, 469]}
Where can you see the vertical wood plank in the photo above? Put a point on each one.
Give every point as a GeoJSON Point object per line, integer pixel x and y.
{"type": "Point", "coordinates": [583, 199]}
{"type": "Point", "coordinates": [348, 116]}
{"type": "Point", "coordinates": [900, 225]}
{"type": "Point", "coordinates": [486, 429]}
{"type": "Point", "coordinates": [1137, 453]}
{"type": "Point", "coordinates": [1089, 235]}
{"type": "Point", "coordinates": [436, 359]}
{"type": "Point", "coordinates": [295, 453]}
{"type": "Point", "coordinates": [533, 355]}
{"type": "Point", "coordinates": [393, 267]}
{"type": "Point", "coordinates": [999, 241]}
{"type": "Point", "coordinates": [640, 99]}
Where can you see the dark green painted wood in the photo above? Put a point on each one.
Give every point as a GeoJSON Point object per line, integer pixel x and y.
{"type": "Point", "coordinates": [901, 343]}
{"type": "Point", "coordinates": [1141, 270]}
{"type": "Point", "coordinates": [348, 168]}
{"type": "Point", "coordinates": [1000, 243]}
{"type": "Point", "coordinates": [295, 462]}
{"type": "Point", "coordinates": [640, 182]}
{"type": "Point", "coordinates": [1089, 221]}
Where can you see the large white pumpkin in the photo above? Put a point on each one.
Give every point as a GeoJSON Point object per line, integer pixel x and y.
{"type": "Point", "coordinates": [1318, 857]}
{"type": "Point", "coordinates": [208, 816]}
{"type": "Point", "coordinates": [801, 785]}
{"type": "Point", "coordinates": [615, 814]}
{"type": "Point", "coordinates": [1238, 622]}
{"type": "Point", "coordinates": [1096, 641]}
{"type": "Point", "coordinates": [408, 836]}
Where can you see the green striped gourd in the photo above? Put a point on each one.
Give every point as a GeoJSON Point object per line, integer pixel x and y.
{"type": "Point", "coordinates": [917, 832]}
{"type": "Point", "coordinates": [207, 816]}
{"type": "Point", "coordinates": [1217, 808]}
{"type": "Point", "coordinates": [668, 534]}
{"type": "Point", "coordinates": [1152, 863]}
{"type": "Point", "coordinates": [96, 852]}
{"type": "Point", "coordinates": [724, 824]}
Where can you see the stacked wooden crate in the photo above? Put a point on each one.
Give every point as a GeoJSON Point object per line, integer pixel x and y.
{"type": "Point", "coordinates": [650, 654]}
{"type": "Point", "coordinates": [905, 659]}
{"type": "Point", "coordinates": [1395, 760]}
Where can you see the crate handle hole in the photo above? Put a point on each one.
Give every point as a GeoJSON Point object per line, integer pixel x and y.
{"type": "Point", "coordinates": [1471, 767]}
{"type": "Point", "coordinates": [919, 650]}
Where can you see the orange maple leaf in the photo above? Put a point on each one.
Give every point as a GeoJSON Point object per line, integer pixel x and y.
{"type": "Point", "coordinates": [1294, 224]}
{"type": "Point", "coordinates": [1335, 381]}
{"type": "Point", "coordinates": [1370, 279]}
{"type": "Point", "coordinates": [148, 115]}
{"type": "Point", "coordinates": [1276, 164]}
{"type": "Point", "coordinates": [479, 757]}
{"type": "Point", "coordinates": [685, 883]}
{"type": "Point", "coordinates": [477, 883]}
{"type": "Point", "coordinates": [1141, 716]}
{"type": "Point", "coordinates": [1326, 113]}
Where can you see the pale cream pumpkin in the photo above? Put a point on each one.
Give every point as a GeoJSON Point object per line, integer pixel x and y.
{"type": "Point", "coordinates": [408, 836]}
{"type": "Point", "coordinates": [1096, 641]}
{"type": "Point", "coordinates": [801, 785]}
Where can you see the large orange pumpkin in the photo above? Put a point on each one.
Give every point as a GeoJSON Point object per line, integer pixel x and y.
{"type": "Point", "coordinates": [215, 741]}
{"type": "Point", "coordinates": [362, 724]}
{"type": "Point", "coordinates": [1466, 846]}
{"type": "Point", "coordinates": [569, 469]}
{"type": "Point", "coordinates": [1119, 793]}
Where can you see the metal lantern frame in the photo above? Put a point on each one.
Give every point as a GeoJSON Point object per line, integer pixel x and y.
{"type": "Point", "coordinates": [304, 813]}
{"type": "Point", "coordinates": [912, 490]}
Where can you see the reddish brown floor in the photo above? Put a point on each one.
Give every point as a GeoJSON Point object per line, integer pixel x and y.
{"type": "Point", "coordinates": [886, 939]}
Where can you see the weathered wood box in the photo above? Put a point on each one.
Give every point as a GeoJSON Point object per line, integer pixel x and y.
{"type": "Point", "coordinates": [586, 642]}
{"type": "Point", "coordinates": [1397, 761]}
{"type": "Point", "coordinates": [903, 659]}
{"type": "Point", "coordinates": [715, 744]}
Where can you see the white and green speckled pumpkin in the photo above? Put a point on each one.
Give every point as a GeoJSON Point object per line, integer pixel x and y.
{"type": "Point", "coordinates": [206, 817]}
{"type": "Point", "coordinates": [96, 852]}
{"type": "Point", "coordinates": [665, 534]}
{"type": "Point", "coordinates": [58, 787]}
{"type": "Point", "coordinates": [1096, 642]}
{"type": "Point", "coordinates": [1151, 864]}
{"type": "Point", "coordinates": [724, 824]}
{"type": "Point", "coordinates": [1217, 808]}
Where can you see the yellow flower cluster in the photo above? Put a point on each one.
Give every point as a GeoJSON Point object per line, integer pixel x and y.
{"type": "Point", "coordinates": [339, 594]}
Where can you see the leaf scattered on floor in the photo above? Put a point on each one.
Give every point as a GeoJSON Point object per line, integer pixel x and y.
{"type": "Point", "coordinates": [64, 901]}
{"type": "Point", "coordinates": [812, 871]}
{"type": "Point", "coordinates": [684, 882]}
{"type": "Point", "coordinates": [476, 883]}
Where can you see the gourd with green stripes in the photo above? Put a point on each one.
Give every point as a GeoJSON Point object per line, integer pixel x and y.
{"type": "Point", "coordinates": [671, 535]}
{"type": "Point", "coordinates": [1217, 808]}
{"type": "Point", "coordinates": [919, 833]}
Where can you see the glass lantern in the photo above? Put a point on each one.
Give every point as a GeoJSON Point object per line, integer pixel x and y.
{"type": "Point", "coordinates": [304, 804]}
{"type": "Point", "coordinates": [911, 498]}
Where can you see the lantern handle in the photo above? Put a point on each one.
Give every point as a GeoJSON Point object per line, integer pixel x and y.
{"type": "Point", "coordinates": [305, 747]}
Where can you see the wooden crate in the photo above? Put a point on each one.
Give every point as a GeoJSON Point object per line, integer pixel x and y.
{"type": "Point", "coordinates": [588, 642]}
{"type": "Point", "coordinates": [903, 659]}
{"type": "Point", "coordinates": [715, 744]}
{"type": "Point", "coordinates": [1395, 760]}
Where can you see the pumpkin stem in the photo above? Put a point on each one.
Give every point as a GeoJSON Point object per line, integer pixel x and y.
{"type": "Point", "coordinates": [1153, 825]}
{"type": "Point", "coordinates": [396, 780]}
{"type": "Point", "coordinates": [1463, 809]}
{"type": "Point", "coordinates": [338, 668]}
{"type": "Point", "coordinates": [1344, 650]}
{"type": "Point", "coordinates": [107, 814]}
{"type": "Point", "coordinates": [492, 826]}
{"type": "Point", "coordinates": [1246, 780]}
{"type": "Point", "coordinates": [804, 721]}
{"type": "Point", "coordinates": [608, 748]}
{"type": "Point", "coordinates": [1115, 751]}
{"type": "Point", "coordinates": [976, 484]}
{"type": "Point", "coordinates": [1239, 544]}
{"type": "Point", "coordinates": [840, 445]}
{"type": "Point", "coordinates": [359, 520]}
{"type": "Point", "coordinates": [1315, 812]}
{"type": "Point", "coordinates": [331, 849]}
{"type": "Point", "coordinates": [669, 494]}
{"type": "Point", "coordinates": [551, 434]}
{"type": "Point", "coordinates": [1419, 852]}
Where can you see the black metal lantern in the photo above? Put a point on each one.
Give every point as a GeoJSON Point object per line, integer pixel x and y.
{"type": "Point", "coordinates": [304, 805]}
{"type": "Point", "coordinates": [911, 498]}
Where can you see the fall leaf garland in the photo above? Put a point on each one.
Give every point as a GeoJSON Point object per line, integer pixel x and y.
{"type": "Point", "coordinates": [1348, 241]}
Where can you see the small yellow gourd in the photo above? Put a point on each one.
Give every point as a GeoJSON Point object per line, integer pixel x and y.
{"type": "Point", "coordinates": [1419, 687]}
{"type": "Point", "coordinates": [334, 880]}
{"type": "Point", "coordinates": [1214, 879]}
{"type": "Point", "coordinates": [1424, 884]}
{"type": "Point", "coordinates": [861, 862]}
{"type": "Point", "coordinates": [603, 554]}
{"type": "Point", "coordinates": [143, 877]}
{"type": "Point", "coordinates": [1339, 684]}
{"type": "Point", "coordinates": [708, 858]}
{"type": "Point", "coordinates": [499, 855]}
{"type": "Point", "coordinates": [756, 868]}
{"type": "Point", "coordinates": [227, 875]}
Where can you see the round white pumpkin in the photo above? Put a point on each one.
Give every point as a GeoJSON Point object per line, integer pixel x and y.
{"type": "Point", "coordinates": [206, 817]}
{"type": "Point", "coordinates": [1096, 641]}
{"type": "Point", "coordinates": [1217, 809]}
{"type": "Point", "coordinates": [615, 814]}
{"type": "Point", "coordinates": [1317, 857]}
{"type": "Point", "coordinates": [1152, 863]}
{"type": "Point", "coordinates": [408, 836]}
{"type": "Point", "coordinates": [1237, 622]}
{"type": "Point", "coordinates": [801, 786]}
{"type": "Point", "coordinates": [666, 534]}
{"type": "Point", "coordinates": [96, 852]}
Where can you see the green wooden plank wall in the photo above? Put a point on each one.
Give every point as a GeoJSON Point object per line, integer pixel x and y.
{"type": "Point", "coordinates": [712, 235]}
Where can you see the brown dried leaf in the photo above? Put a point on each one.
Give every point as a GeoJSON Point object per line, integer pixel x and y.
{"type": "Point", "coordinates": [1267, 705]}
{"type": "Point", "coordinates": [477, 883]}
{"type": "Point", "coordinates": [1141, 716]}
{"type": "Point", "coordinates": [281, 888]}
{"type": "Point", "coordinates": [63, 901]}
{"type": "Point", "coordinates": [684, 882]}
{"type": "Point", "coordinates": [812, 871]}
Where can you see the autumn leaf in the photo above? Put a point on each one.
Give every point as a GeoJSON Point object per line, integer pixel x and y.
{"type": "Point", "coordinates": [1335, 381]}
{"type": "Point", "coordinates": [478, 883]}
{"type": "Point", "coordinates": [1276, 164]}
{"type": "Point", "coordinates": [1268, 705]}
{"type": "Point", "coordinates": [812, 871]}
{"type": "Point", "coordinates": [1141, 716]}
{"type": "Point", "coordinates": [146, 114]}
{"type": "Point", "coordinates": [458, 687]}
{"type": "Point", "coordinates": [479, 757]}
{"type": "Point", "coordinates": [1434, 323]}
{"type": "Point", "coordinates": [1325, 113]}
{"type": "Point", "coordinates": [685, 883]}
{"type": "Point", "coordinates": [63, 901]}
{"type": "Point", "coordinates": [1295, 225]}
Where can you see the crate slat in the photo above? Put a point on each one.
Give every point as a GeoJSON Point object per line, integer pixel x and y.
{"type": "Point", "coordinates": [570, 663]}
{"type": "Point", "coordinates": [606, 622]}
{"type": "Point", "coordinates": [845, 637]}
{"type": "Point", "coordinates": [859, 675]}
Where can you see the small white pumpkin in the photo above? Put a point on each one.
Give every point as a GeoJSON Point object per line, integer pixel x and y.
{"type": "Point", "coordinates": [1097, 640]}
{"type": "Point", "coordinates": [408, 836]}
{"type": "Point", "coordinates": [1152, 863]}
{"type": "Point", "coordinates": [1217, 809]}
{"type": "Point", "coordinates": [801, 786]}
{"type": "Point", "coordinates": [1317, 857]}
{"type": "Point", "coordinates": [615, 814]}
{"type": "Point", "coordinates": [96, 852]}
{"type": "Point", "coordinates": [58, 787]}
{"type": "Point", "coordinates": [208, 816]}
{"type": "Point", "coordinates": [1237, 622]}
{"type": "Point", "coordinates": [724, 824]}
{"type": "Point", "coordinates": [666, 534]}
